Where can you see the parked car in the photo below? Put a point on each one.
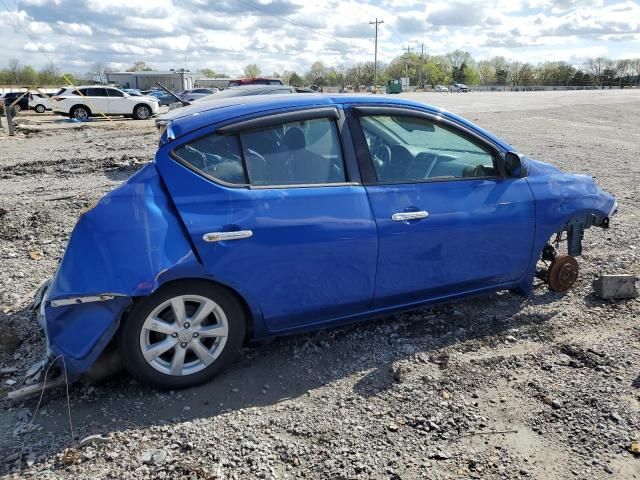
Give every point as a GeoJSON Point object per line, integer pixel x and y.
{"type": "Point", "coordinates": [242, 91]}
{"type": "Point", "coordinates": [236, 82]}
{"type": "Point", "coordinates": [272, 215]}
{"type": "Point", "coordinates": [163, 97]}
{"type": "Point", "coordinates": [40, 102]}
{"type": "Point", "coordinates": [441, 88]}
{"type": "Point", "coordinates": [86, 101]}
{"type": "Point", "coordinates": [132, 91]}
{"type": "Point", "coordinates": [459, 87]}
{"type": "Point", "coordinates": [11, 97]}
{"type": "Point", "coordinates": [196, 93]}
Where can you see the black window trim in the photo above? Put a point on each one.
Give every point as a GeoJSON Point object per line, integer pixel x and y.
{"type": "Point", "coordinates": [365, 162]}
{"type": "Point", "coordinates": [236, 128]}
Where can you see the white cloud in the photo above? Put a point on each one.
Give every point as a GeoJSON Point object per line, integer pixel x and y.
{"type": "Point", "coordinates": [74, 28]}
{"type": "Point", "coordinates": [278, 34]}
{"type": "Point", "coordinates": [39, 47]}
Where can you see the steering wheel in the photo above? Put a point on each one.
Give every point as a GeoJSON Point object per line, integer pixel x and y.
{"type": "Point", "coordinates": [381, 156]}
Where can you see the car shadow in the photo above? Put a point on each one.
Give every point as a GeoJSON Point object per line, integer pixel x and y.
{"type": "Point", "coordinates": [288, 368]}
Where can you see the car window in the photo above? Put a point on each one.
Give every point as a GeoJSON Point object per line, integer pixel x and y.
{"type": "Point", "coordinates": [83, 91]}
{"type": "Point", "coordinates": [296, 153]}
{"type": "Point", "coordinates": [218, 156]}
{"type": "Point", "coordinates": [408, 149]}
{"type": "Point", "coordinates": [114, 93]}
{"type": "Point", "coordinates": [96, 92]}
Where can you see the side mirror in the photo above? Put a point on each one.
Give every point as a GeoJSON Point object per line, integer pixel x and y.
{"type": "Point", "coordinates": [513, 165]}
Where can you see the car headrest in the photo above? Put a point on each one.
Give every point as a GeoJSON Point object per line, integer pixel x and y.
{"type": "Point", "coordinates": [294, 139]}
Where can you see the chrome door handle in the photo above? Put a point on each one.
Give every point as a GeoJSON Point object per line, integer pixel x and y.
{"type": "Point", "coordinates": [404, 216]}
{"type": "Point", "coordinates": [222, 236]}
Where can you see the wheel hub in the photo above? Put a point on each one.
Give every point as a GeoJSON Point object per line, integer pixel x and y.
{"type": "Point", "coordinates": [563, 273]}
{"type": "Point", "coordinates": [185, 335]}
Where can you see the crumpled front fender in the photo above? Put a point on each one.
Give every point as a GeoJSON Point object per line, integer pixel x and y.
{"type": "Point", "coordinates": [130, 243]}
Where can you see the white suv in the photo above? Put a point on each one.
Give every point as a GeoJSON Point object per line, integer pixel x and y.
{"type": "Point", "coordinates": [85, 101]}
{"type": "Point", "coordinates": [39, 102]}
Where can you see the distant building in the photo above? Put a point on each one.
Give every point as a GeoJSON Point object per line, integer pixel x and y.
{"type": "Point", "coordinates": [176, 80]}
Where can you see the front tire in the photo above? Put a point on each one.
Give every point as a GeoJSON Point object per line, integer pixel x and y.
{"type": "Point", "coordinates": [182, 335]}
{"type": "Point", "coordinates": [40, 108]}
{"type": "Point", "coordinates": [141, 112]}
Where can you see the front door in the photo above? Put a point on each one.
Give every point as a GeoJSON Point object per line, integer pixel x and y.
{"type": "Point", "coordinates": [448, 221]}
{"type": "Point", "coordinates": [98, 100]}
{"type": "Point", "coordinates": [274, 213]}
{"type": "Point", "coordinates": [118, 103]}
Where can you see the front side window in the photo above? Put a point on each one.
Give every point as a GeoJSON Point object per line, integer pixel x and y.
{"type": "Point", "coordinates": [410, 149]}
{"type": "Point", "coordinates": [115, 93]}
{"type": "Point", "coordinates": [305, 152]}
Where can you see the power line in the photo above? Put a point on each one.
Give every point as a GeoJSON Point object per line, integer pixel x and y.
{"type": "Point", "coordinates": [297, 24]}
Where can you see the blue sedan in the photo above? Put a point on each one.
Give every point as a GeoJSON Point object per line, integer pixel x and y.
{"type": "Point", "coordinates": [268, 216]}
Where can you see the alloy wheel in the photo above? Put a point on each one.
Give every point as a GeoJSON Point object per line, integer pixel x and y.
{"type": "Point", "coordinates": [184, 335]}
{"type": "Point", "coordinates": [80, 114]}
{"type": "Point", "coordinates": [142, 113]}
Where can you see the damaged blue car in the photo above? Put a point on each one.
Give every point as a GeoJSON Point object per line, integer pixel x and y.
{"type": "Point", "coordinates": [267, 216]}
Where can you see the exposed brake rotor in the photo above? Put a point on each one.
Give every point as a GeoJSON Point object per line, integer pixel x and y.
{"type": "Point", "coordinates": [563, 273]}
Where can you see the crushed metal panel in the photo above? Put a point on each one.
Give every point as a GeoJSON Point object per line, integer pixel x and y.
{"type": "Point", "coordinates": [610, 287]}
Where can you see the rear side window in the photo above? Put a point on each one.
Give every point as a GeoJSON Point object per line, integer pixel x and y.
{"type": "Point", "coordinates": [97, 92]}
{"type": "Point", "coordinates": [296, 153]}
{"type": "Point", "coordinates": [218, 156]}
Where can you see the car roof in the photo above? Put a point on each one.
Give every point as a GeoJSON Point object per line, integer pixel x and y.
{"type": "Point", "coordinates": [202, 114]}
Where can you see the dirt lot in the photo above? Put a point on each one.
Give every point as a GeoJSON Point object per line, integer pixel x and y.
{"type": "Point", "coordinates": [493, 387]}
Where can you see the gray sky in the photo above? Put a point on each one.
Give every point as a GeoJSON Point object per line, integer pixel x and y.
{"type": "Point", "coordinates": [225, 35]}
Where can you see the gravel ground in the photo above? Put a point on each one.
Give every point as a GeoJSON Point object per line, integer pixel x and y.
{"type": "Point", "coordinates": [492, 387]}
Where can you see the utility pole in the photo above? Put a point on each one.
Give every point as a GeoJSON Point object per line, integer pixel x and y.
{"type": "Point", "coordinates": [406, 63]}
{"type": "Point", "coordinates": [375, 55]}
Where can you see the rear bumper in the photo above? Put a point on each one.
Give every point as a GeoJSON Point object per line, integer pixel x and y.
{"type": "Point", "coordinates": [76, 329]}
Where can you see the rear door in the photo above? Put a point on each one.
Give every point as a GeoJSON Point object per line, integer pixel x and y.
{"type": "Point", "coordinates": [449, 221]}
{"type": "Point", "coordinates": [276, 210]}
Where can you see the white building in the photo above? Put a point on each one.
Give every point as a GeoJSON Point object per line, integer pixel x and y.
{"type": "Point", "coordinates": [176, 80]}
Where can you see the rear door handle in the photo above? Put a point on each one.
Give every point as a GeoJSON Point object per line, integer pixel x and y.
{"type": "Point", "coordinates": [224, 236]}
{"type": "Point", "coordinates": [404, 216]}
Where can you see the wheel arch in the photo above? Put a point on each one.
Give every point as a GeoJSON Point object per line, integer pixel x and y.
{"type": "Point", "coordinates": [142, 104]}
{"type": "Point", "coordinates": [574, 223]}
{"type": "Point", "coordinates": [253, 315]}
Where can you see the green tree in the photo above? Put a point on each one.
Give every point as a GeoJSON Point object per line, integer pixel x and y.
{"type": "Point", "coordinates": [471, 75]}
{"type": "Point", "coordinates": [28, 76]}
{"type": "Point", "coordinates": [49, 75]}
{"type": "Point", "coordinates": [296, 80]}
{"type": "Point", "coordinates": [316, 74]}
{"type": "Point", "coordinates": [208, 72]}
{"type": "Point", "coordinates": [139, 66]}
{"type": "Point", "coordinates": [252, 71]}
{"type": "Point", "coordinates": [486, 72]}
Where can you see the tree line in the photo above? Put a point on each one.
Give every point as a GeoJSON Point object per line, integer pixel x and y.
{"type": "Point", "coordinates": [422, 70]}
{"type": "Point", "coordinates": [460, 67]}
